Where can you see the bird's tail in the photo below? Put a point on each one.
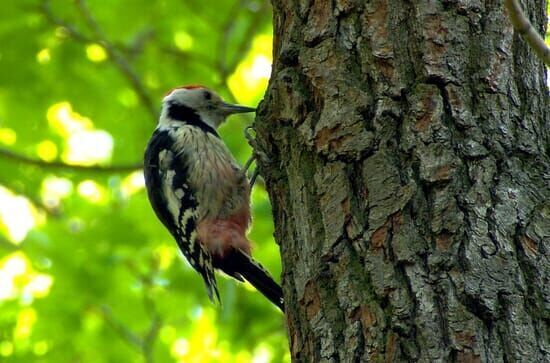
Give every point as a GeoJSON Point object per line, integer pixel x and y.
{"type": "Point", "coordinates": [242, 264]}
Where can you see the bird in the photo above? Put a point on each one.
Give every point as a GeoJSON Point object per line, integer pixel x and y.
{"type": "Point", "coordinates": [200, 193]}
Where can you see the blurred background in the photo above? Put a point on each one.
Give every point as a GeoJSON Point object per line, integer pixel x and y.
{"type": "Point", "coordinates": [87, 273]}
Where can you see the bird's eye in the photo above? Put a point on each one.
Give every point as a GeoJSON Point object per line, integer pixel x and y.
{"type": "Point", "coordinates": [207, 95]}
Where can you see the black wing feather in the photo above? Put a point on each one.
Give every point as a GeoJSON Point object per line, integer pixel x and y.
{"type": "Point", "coordinates": [156, 176]}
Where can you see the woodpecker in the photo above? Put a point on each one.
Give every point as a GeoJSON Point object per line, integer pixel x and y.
{"type": "Point", "coordinates": [200, 193]}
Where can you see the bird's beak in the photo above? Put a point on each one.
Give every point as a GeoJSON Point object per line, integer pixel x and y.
{"type": "Point", "coordinates": [231, 109]}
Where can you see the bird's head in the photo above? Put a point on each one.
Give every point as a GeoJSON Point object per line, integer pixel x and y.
{"type": "Point", "coordinates": [197, 103]}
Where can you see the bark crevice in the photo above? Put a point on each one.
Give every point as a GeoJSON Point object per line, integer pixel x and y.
{"type": "Point", "coordinates": [408, 169]}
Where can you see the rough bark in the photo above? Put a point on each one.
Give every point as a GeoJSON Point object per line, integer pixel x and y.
{"type": "Point", "coordinates": [408, 166]}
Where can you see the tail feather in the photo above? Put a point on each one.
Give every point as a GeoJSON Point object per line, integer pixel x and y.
{"type": "Point", "coordinates": [212, 288]}
{"type": "Point", "coordinates": [243, 265]}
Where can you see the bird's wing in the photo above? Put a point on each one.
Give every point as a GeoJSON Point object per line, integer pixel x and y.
{"type": "Point", "coordinates": [175, 205]}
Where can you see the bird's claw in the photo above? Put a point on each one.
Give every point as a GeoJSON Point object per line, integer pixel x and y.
{"type": "Point", "coordinates": [258, 154]}
{"type": "Point", "coordinates": [250, 138]}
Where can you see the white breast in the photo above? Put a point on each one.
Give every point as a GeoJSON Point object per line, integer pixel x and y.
{"type": "Point", "coordinates": [214, 175]}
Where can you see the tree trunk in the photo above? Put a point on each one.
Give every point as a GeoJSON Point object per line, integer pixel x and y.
{"type": "Point", "coordinates": [408, 167]}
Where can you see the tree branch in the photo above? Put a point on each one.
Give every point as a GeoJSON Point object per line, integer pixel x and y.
{"type": "Point", "coordinates": [115, 56]}
{"type": "Point", "coordinates": [151, 334]}
{"type": "Point", "coordinates": [120, 328]}
{"type": "Point", "coordinates": [226, 30]}
{"type": "Point", "coordinates": [71, 30]}
{"type": "Point", "coordinates": [147, 281]}
{"type": "Point", "coordinates": [527, 31]}
{"type": "Point", "coordinates": [146, 343]}
{"type": "Point", "coordinates": [199, 59]}
{"type": "Point", "coordinates": [38, 204]}
{"type": "Point", "coordinates": [12, 156]}
{"type": "Point", "coordinates": [118, 60]}
{"type": "Point", "coordinates": [248, 37]}
{"type": "Point", "coordinates": [135, 47]}
{"type": "Point", "coordinates": [226, 68]}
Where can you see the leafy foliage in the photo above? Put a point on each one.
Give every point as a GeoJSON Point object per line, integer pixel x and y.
{"type": "Point", "coordinates": [87, 273]}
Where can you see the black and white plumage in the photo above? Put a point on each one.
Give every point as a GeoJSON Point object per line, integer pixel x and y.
{"type": "Point", "coordinates": [199, 192]}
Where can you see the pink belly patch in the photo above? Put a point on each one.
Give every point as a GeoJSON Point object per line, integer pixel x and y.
{"type": "Point", "coordinates": [219, 235]}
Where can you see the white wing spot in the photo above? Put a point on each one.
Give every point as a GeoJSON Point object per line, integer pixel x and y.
{"type": "Point", "coordinates": [174, 203]}
{"type": "Point", "coordinates": [185, 217]}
